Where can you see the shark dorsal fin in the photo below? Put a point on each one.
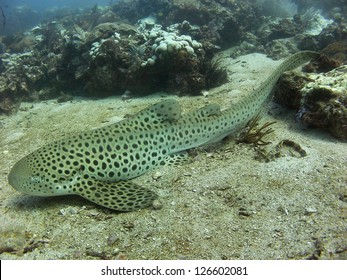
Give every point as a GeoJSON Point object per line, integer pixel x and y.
{"type": "Point", "coordinates": [166, 110]}
{"type": "Point", "coordinates": [205, 112]}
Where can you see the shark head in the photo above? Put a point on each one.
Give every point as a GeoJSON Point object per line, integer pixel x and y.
{"type": "Point", "coordinates": [25, 178]}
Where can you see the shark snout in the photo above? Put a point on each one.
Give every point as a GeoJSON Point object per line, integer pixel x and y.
{"type": "Point", "coordinates": [19, 177]}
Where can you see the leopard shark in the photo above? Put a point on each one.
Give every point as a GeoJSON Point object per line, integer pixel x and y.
{"type": "Point", "coordinates": [100, 164]}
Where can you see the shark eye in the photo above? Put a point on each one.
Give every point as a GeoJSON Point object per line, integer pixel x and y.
{"type": "Point", "coordinates": [36, 179]}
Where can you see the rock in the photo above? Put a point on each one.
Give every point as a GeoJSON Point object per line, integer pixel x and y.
{"type": "Point", "coordinates": [112, 239]}
{"type": "Point", "coordinates": [321, 100]}
{"type": "Point", "coordinates": [157, 204]}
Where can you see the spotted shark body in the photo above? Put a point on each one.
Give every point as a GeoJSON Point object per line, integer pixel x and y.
{"type": "Point", "coordinates": [99, 165]}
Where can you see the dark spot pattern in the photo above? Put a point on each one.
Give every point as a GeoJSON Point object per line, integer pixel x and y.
{"type": "Point", "coordinates": [98, 164]}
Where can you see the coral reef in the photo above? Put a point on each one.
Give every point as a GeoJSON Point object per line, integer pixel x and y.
{"type": "Point", "coordinates": [337, 50]}
{"type": "Point", "coordinates": [91, 56]}
{"type": "Point", "coordinates": [137, 47]}
{"type": "Point", "coordinates": [279, 35]}
{"type": "Point", "coordinates": [320, 103]}
{"type": "Point", "coordinates": [221, 22]}
{"type": "Point", "coordinates": [282, 37]}
{"type": "Point", "coordinates": [325, 104]}
{"type": "Point", "coordinates": [166, 43]}
{"type": "Point", "coordinates": [29, 65]}
{"type": "Point", "coordinates": [19, 73]}
{"type": "Point", "coordinates": [287, 91]}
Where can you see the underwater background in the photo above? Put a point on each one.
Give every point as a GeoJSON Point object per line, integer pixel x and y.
{"type": "Point", "coordinates": [71, 66]}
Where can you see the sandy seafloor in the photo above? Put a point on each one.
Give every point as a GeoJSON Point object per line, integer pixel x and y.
{"type": "Point", "coordinates": [225, 204]}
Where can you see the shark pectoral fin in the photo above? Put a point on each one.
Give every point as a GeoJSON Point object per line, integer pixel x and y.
{"type": "Point", "coordinates": [176, 159]}
{"type": "Point", "coordinates": [120, 196]}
